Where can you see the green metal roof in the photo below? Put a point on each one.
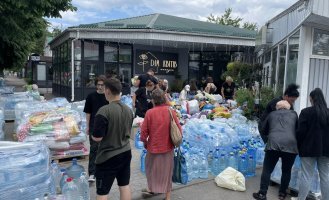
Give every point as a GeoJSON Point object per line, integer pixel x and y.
{"type": "Point", "coordinates": [171, 23]}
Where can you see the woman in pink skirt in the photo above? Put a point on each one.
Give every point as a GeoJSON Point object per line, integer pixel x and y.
{"type": "Point", "coordinates": [156, 137]}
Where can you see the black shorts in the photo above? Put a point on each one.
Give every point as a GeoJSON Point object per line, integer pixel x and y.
{"type": "Point", "coordinates": [117, 167]}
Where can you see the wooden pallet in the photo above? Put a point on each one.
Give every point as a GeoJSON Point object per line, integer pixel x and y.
{"type": "Point", "coordinates": [62, 159]}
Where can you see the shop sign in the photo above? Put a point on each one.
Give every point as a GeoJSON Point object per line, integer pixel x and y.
{"type": "Point", "coordinates": [35, 58]}
{"type": "Point", "coordinates": [163, 63]}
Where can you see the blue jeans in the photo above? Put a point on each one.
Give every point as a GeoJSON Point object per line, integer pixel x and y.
{"type": "Point", "coordinates": [308, 169]}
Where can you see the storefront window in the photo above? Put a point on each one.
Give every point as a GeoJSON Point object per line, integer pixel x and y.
{"type": "Point", "coordinates": [267, 57]}
{"type": "Point", "coordinates": [125, 54]}
{"type": "Point", "coordinates": [77, 50]}
{"type": "Point", "coordinates": [273, 68]}
{"type": "Point", "coordinates": [292, 59]}
{"type": "Point", "coordinates": [90, 74]}
{"type": "Point", "coordinates": [111, 69]}
{"type": "Point", "coordinates": [194, 56]}
{"type": "Point", "coordinates": [110, 53]}
{"type": "Point", "coordinates": [321, 42]}
{"type": "Point", "coordinates": [194, 70]}
{"type": "Point", "coordinates": [77, 73]}
{"type": "Point", "coordinates": [282, 66]}
{"type": "Point", "coordinates": [91, 51]}
{"type": "Point", "coordinates": [125, 72]}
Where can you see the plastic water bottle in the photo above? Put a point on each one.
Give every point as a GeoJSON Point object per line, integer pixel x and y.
{"type": "Point", "coordinates": [70, 190]}
{"type": "Point", "coordinates": [260, 154]}
{"type": "Point", "coordinates": [251, 167]}
{"type": "Point", "coordinates": [138, 143]}
{"type": "Point", "coordinates": [195, 168]}
{"type": "Point", "coordinates": [243, 165]}
{"type": "Point", "coordinates": [57, 175]}
{"type": "Point", "coordinates": [217, 153]}
{"type": "Point", "coordinates": [83, 186]}
{"type": "Point", "coordinates": [75, 170]}
{"type": "Point", "coordinates": [203, 171]}
{"type": "Point", "coordinates": [222, 163]}
{"type": "Point", "coordinates": [232, 161]}
{"type": "Point", "coordinates": [143, 156]}
{"type": "Point", "coordinates": [215, 166]}
{"type": "Point", "coordinates": [210, 158]}
{"type": "Point", "coordinates": [63, 181]}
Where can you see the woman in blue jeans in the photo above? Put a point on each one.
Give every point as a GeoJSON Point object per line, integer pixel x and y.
{"type": "Point", "coordinates": [313, 144]}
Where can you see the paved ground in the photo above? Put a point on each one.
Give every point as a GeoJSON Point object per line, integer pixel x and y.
{"type": "Point", "coordinates": [199, 189]}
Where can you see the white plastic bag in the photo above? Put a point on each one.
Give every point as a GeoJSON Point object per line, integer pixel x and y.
{"type": "Point", "coordinates": [231, 179]}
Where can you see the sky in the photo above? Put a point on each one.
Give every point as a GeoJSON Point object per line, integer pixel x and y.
{"type": "Point", "coordinates": [91, 11]}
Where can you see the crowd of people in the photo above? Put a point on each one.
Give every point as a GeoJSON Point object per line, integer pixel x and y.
{"type": "Point", "coordinates": [285, 134]}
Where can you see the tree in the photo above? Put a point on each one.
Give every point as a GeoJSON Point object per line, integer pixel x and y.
{"type": "Point", "coordinates": [228, 20]}
{"type": "Point", "coordinates": [23, 27]}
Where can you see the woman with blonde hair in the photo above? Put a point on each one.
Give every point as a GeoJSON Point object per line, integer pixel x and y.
{"type": "Point", "coordinates": [155, 134]}
{"type": "Point", "coordinates": [228, 88]}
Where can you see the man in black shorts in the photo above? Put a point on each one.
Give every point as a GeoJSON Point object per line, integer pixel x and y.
{"type": "Point", "coordinates": [112, 130]}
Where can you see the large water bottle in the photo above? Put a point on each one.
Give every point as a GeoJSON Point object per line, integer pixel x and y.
{"type": "Point", "coordinates": [83, 186]}
{"type": "Point", "coordinates": [251, 167]}
{"type": "Point", "coordinates": [138, 143]}
{"type": "Point", "coordinates": [232, 161]}
{"type": "Point", "coordinates": [243, 165]}
{"type": "Point", "coordinates": [70, 190]}
{"type": "Point", "coordinates": [57, 175]}
{"type": "Point", "coordinates": [143, 156]}
{"type": "Point", "coordinates": [260, 155]}
{"type": "Point", "coordinates": [209, 159]}
{"type": "Point", "coordinates": [195, 168]}
{"type": "Point", "coordinates": [222, 163]}
{"type": "Point", "coordinates": [215, 166]}
{"type": "Point", "coordinates": [75, 170]}
{"type": "Point", "coordinates": [203, 171]}
{"type": "Point", "coordinates": [63, 181]}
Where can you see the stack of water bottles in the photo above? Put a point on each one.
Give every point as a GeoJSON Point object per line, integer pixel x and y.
{"type": "Point", "coordinates": [295, 175]}
{"type": "Point", "coordinates": [2, 124]}
{"type": "Point", "coordinates": [9, 101]}
{"type": "Point", "coordinates": [72, 182]}
{"type": "Point", "coordinates": [212, 146]}
{"type": "Point", "coordinates": [24, 171]}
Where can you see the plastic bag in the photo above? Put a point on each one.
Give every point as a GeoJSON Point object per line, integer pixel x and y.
{"type": "Point", "coordinates": [180, 170]}
{"type": "Point", "coordinates": [231, 179]}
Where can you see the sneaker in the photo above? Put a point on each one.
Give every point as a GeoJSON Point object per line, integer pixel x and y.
{"type": "Point", "coordinates": [91, 178]}
{"type": "Point", "coordinates": [294, 198]}
{"type": "Point", "coordinates": [282, 196]}
{"type": "Point", "coordinates": [259, 196]}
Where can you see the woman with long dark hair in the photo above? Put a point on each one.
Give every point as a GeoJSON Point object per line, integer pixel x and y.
{"type": "Point", "coordinates": [313, 144]}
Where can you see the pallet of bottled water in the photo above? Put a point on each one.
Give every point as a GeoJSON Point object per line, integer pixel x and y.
{"type": "Point", "coordinates": [24, 171]}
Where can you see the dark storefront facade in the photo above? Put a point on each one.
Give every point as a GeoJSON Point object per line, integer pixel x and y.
{"type": "Point", "coordinates": [100, 49]}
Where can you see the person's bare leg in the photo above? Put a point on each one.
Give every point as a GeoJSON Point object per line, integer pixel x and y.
{"type": "Point", "coordinates": [168, 194]}
{"type": "Point", "coordinates": [101, 197]}
{"type": "Point", "coordinates": [125, 193]}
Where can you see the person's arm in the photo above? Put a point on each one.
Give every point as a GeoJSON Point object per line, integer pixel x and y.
{"type": "Point", "coordinates": [100, 128]}
{"type": "Point", "coordinates": [145, 130]}
{"type": "Point", "coordinates": [222, 92]}
{"type": "Point", "coordinates": [302, 127]}
{"type": "Point", "coordinates": [88, 110]}
{"type": "Point", "coordinates": [265, 129]}
{"type": "Point", "coordinates": [134, 100]}
{"type": "Point", "coordinates": [87, 122]}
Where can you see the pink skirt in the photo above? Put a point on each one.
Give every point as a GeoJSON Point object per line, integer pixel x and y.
{"type": "Point", "coordinates": [159, 170]}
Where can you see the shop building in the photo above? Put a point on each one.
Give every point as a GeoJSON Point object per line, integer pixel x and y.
{"type": "Point", "coordinates": [177, 48]}
{"type": "Point", "coordinates": [294, 48]}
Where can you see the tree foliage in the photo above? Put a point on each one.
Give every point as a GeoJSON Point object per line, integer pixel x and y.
{"type": "Point", "coordinates": [228, 20]}
{"type": "Point", "coordinates": [23, 28]}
